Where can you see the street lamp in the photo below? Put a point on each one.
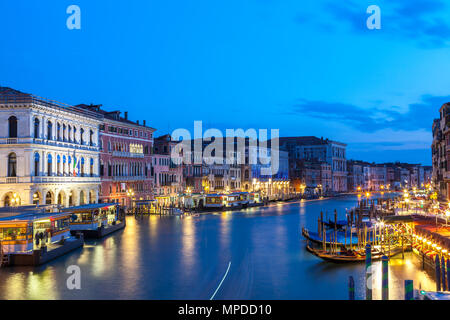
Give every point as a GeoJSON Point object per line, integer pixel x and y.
{"type": "Point", "coordinates": [35, 198]}
{"type": "Point", "coordinates": [15, 199]}
{"type": "Point", "coordinates": [130, 194]}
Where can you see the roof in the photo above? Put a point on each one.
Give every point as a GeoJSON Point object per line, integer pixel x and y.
{"type": "Point", "coordinates": [397, 219]}
{"type": "Point", "coordinates": [305, 140]}
{"type": "Point", "coordinates": [143, 201]}
{"type": "Point", "coordinates": [90, 206]}
{"type": "Point", "coordinates": [111, 115]}
{"type": "Point", "coordinates": [13, 96]}
{"type": "Point", "coordinates": [30, 216]}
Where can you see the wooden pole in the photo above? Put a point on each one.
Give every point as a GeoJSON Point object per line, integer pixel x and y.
{"type": "Point", "coordinates": [385, 278]}
{"type": "Point", "coordinates": [351, 238]}
{"type": "Point", "coordinates": [335, 229]}
{"type": "Point", "coordinates": [368, 272]}
{"type": "Point", "coordinates": [438, 273]}
{"type": "Point", "coordinates": [351, 288]}
{"type": "Point", "coordinates": [444, 282]}
{"type": "Point", "coordinates": [448, 274]}
{"type": "Point", "coordinates": [345, 237]}
{"type": "Point", "coordinates": [409, 290]}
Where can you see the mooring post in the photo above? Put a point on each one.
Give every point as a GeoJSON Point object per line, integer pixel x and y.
{"type": "Point", "coordinates": [321, 221]}
{"type": "Point", "coordinates": [351, 288]}
{"type": "Point", "coordinates": [444, 282]}
{"type": "Point", "coordinates": [385, 278]}
{"type": "Point", "coordinates": [409, 290]}
{"type": "Point", "coordinates": [448, 274]}
{"type": "Point", "coordinates": [335, 229]}
{"type": "Point", "coordinates": [437, 262]}
{"type": "Point", "coordinates": [368, 272]}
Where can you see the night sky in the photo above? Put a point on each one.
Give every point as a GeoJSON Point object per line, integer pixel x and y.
{"type": "Point", "coordinates": [304, 67]}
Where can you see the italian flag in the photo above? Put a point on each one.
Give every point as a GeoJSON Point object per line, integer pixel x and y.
{"type": "Point", "coordinates": [74, 165]}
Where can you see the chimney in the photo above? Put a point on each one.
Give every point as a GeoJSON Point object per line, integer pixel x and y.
{"type": "Point", "coordinates": [126, 115]}
{"type": "Point", "coordinates": [137, 121]}
{"type": "Point", "coordinates": [144, 123]}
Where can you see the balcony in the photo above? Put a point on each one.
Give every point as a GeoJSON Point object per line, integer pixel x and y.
{"type": "Point", "coordinates": [130, 178]}
{"type": "Point", "coordinates": [124, 154]}
{"type": "Point", "coordinates": [55, 143]}
{"type": "Point", "coordinates": [51, 179]}
{"type": "Point", "coordinates": [446, 175]}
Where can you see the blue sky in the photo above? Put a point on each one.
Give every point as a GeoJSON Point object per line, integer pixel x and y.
{"type": "Point", "coordinates": [304, 67]}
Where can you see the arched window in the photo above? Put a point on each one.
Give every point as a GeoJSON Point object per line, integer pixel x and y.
{"type": "Point", "coordinates": [49, 165]}
{"type": "Point", "coordinates": [12, 123]}
{"type": "Point", "coordinates": [91, 169]}
{"type": "Point", "coordinates": [58, 164]}
{"type": "Point", "coordinates": [64, 164]}
{"type": "Point", "coordinates": [70, 199]}
{"type": "Point", "coordinates": [7, 201]}
{"type": "Point", "coordinates": [12, 165]}
{"type": "Point", "coordinates": [101, 168]}
{"type": "Point", "coordinates": [36, 128]}
{"type": "Point", "coordinates": [91, 137]}
{"type": "Point", "coordinates": [36, 164]}
{"type": "Point", "coordinates": [69, 133]}
{"type": "Point", "coordinates": [48, 198]}
{"type": "Point", "coordinates": [82, 201]}
{"type": "Point", "coordinates": [81, 136]}
{"type": "Point", "coordinates": [49, 130]}
{"type": "Point", "coordinates": [82, 167]}
{"type": "Point", "coordinates": [74, 135]}
{"type": "Point", "coordinates": [58, 131]}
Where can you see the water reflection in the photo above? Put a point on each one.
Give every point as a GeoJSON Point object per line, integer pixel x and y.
{"type": "Point", "coordinates": [185, 258]}
{"type": "Point", "coordinates": [188, 244]}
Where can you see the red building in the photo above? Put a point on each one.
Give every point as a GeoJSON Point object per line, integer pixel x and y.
{"type": "Point", "coordinates": [126, 169]}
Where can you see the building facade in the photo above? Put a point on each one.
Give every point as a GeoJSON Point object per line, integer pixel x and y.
{"type": "Point", "coordinates": [441, 153]}
{"type": "Point", "coordinates": [356, 178]}
{"type": "Point", "coordinates": [49, 151]}
{"type": "Point", "coordinates": [313, 149]}
{"type": "Point", "coordinates": [169, 180]}
{"type": "Point", "coordinates": [125, 157]}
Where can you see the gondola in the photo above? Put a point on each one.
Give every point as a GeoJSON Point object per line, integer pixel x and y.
{"type": "Point", "coordinates": [340, 224]}
{"type": "Point", "coordinates": [342, 239]}
{"type": "Point", "coordinates": [346, 255]}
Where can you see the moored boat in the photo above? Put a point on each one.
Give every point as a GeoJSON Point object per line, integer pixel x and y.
{"type": "Point", "coordinates": [343, 255]}
{"type": "Point", "coordinates": [213, 201]}
{"type": "Point", "coordinates": [33, 238]}
{"type": "Point", "coordinates": [96, 220]}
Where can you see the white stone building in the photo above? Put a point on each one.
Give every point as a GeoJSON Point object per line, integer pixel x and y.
{"type": "Point", "coordinates": [40, 141]}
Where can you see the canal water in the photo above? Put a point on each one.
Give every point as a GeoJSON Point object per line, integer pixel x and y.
{"type": "Point", "coordinates": [256, 253]}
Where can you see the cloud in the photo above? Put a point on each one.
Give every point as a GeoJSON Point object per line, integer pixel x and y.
{"type": "Point", "coordinates": [419, 115]}
{"type": "Point", "coordinates": [421, 21]}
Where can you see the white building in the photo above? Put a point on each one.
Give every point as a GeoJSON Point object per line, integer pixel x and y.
{"type": "Point", "coordinates": [40, 141]}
